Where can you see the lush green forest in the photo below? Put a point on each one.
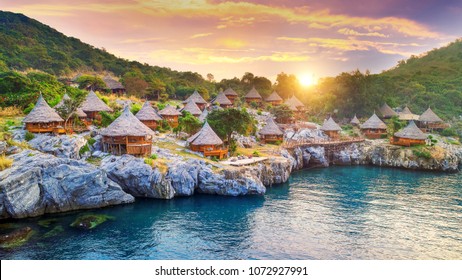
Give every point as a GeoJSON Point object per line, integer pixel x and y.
{"type": "Point", "coordinates": [432, 79]}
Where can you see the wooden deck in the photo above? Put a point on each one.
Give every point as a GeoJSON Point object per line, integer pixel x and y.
{"type": "Point", "coordinates": [243, 162]}
{"type": "Point", "coordinates": [290, 144]}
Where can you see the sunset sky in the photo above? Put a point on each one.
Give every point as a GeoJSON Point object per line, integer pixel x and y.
{"type": "Point", "coordinates": [227, 38]}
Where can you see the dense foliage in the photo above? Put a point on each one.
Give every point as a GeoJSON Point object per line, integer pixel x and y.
{"type": "Point", "coordinates": [225, 122]}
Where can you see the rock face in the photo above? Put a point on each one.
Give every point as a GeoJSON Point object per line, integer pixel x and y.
{"type": "Point", "coordinates": [62, 146]}
{"type": "Point", "coordinates": [2, 147]}
{"type": "Point", "coordinates": [39, 183]}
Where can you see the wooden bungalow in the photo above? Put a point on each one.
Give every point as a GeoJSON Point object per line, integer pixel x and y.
{"type": "Point", "coordinates": [407, 115]}
{"type": "Point", "coordinates": [331, 128]}
{"type": "Point", "coordinates": [222, 101]}
{"type": "Point", "coordinates": [355, 122]}
{"type": "Point", "coordinates": [148, 116]}
{"type": "Point", "coordinates": [43, 119]}
{"type": "Point", "coordinates": [78, 113]}
{"type": "Point", "coordinates": [207, 142]}
{"type": "Point", "coordinates": [170, 114]}
{"type": "Point", "coordinates": [430, 121]}
{"type": "Point", "coordinates": [127, 135]}
{"type": "Point", "coordinates": [253, 96]}
{"type": "Point", "coordinates": [271, 133]}
{"type": "Point", "coordinates": [386, 111]}
{"type": "Point", "coordinates": [296, 106]}
{"type": "Point", "coordinates": [409, 136]}
{"type": "Point", "coordinates": [114, 86]}
{"type": "Point", "coordinates": [374, 128]}
{"type": "Point", "coordinates": [192, 108]}
{"type": "Point", "coordinates": [231, 94]}
{"type": "Point", "coordinates": [198, 99]}
{"type": "Point", "coordinates": [92, 106]}
{"type": "Point", "coordinates": [274, 99]}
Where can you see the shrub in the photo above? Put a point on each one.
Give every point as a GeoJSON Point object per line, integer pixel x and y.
{"type": "Point", "coordinates": [422, 153]}
{"type": "Point", "coordinates": [5, 162]}
{"type": "Point", "coordinates": [29, 108]}
{"type": "Point", "coordinates": [135, 108]}
{"type": "Point", "coordinates": [149, 161]}
{"type": "Point", "coordinates": [29, 136]}
{"type": "Point", "coordinates": [84, 149]}
{"type": "Point", "coordinates": [255, 154]}
{"type": "Point", "coordinates": [10, 111]}
{"type": "Point", "coordinates": [278, 142]}
{"type": "Point", "coordinates": [259, 112]}
{"type": "Point", "coordinates": [91, 141]}
{"type": "Point", "coordinates": [449, 132]}
{"type": "Point", "coordinates": [153, 156]}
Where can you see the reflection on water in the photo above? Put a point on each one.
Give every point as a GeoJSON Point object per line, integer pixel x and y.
{"type": "Point", "coordinates": [333, 213]}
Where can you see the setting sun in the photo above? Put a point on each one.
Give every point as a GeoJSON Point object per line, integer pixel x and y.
{"type": "Point", "coordinates": [306, 80]}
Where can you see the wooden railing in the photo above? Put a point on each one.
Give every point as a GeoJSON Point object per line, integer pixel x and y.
{"type": "Point", "coordinates": [217, 153]}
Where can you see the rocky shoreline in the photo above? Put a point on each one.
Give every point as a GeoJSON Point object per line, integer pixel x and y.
{"type": "Point", "coordinates": [54, 178]}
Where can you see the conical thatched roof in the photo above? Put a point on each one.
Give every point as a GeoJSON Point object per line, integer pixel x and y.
{"type": "Point", "coordinates": [42, 113]}
{"type": "Point", "coordinates": [112, 84]}
{"type": "Point", "coordinates": [407, 115]}
{"type": "Point", "coordinates": [196, 97]}
{"type": "Point", "coordinates": [204, 115]}
{"type": "Point", "coordinates": [429, 116]}
{"type": "Point", "coordinates": [93, 104]}
{"type": "Point", "coordinates": [61, 103]}
{"type": "Point", "coordinates": [169, 110]}
{"type": "Point", "coordinates": [374, 123]}
{"type": "Point", "coordinates": [230, 92]}
{"type": "Point", "coordinates": [79, 112]}
{"type": "Point", "coordinates": [191, 107]}
{"type": "Point", "coordinates": [206, 136]}
{"type": "Point", "coordinates": [294, 104]}
{"type": "Point", "coordinates": [127, 125]}
{"type": "Point", "coordinates": [147, 113]}
{"type": "Point", "coordinates": [273, 97]}
{"type": "Point", "coordinates": [386, 111]}
{"type": "Point", "coordinates": [411, 131]}
{"type": "Point", "coordinates": [253, 93]}
{"type": "Point", "coordinates": [355, 120]}
{"type": "Point", "coordinates": [330, 125]}
{"type": "Point", "coordinates": [221, 99]}
{"type": "Point", "coordinates": [270, 128]}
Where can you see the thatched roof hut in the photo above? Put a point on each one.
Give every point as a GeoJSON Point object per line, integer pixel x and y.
{"type": "Point", "coordinates": [270, 128]}
{"type": "Point", "coordinates": [386, 111]}
{"type": "Point", "coordinates": [294, 104]}
{"type": "Point", "coordinates": [127, 125]}
{"type": "Point", "coordinates": [407, 115]}
{"type": "Point", "coordinates": [355, 121]}
{"type": "Point", "coordinates": [253, 94]}
{"type": "Point", "coordinates": [196, 97]}
{"type": "Point", "coordinates": [205, 137]}
{"type": "Point", "coordinates": [411, 131]}
{"type": "Point", "coordinates": [373, 123]}
{"type": "Point", "coordinates": [274, 97]}
{"type": "Point", "coordinates": [112, 84]}
{"type": "Point", "coordinates": [61, 103]}
{"type": "Point", "coordinates": [230, 92]}
{"type": "Point", "coordinates": [42, 113]}
{"type": "Point", "coordinates": [430, 117]}
{"type": "Point", "coordinates": [92, 103]}
{"type": "Point", "coordinates": [330, 125]}
{"type": "Point", "coordinates": [203, 116]}
{"type": "Point", "coordinates": [169, 110]}
{"type": "Point", "coordinates": [147, 113]}
{"type": "Point", "coordinates": [222, 100]}
{"type": "Point", "coordinates": [192, 108]}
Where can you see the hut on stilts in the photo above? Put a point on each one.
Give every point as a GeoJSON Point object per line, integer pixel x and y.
{"type": "Point", "coordinates": [127, 135]}
{"type": "Point", "coordinates": [274, 99]}
{"type": "Point", "coordinates": [148, 116]}
{"type": "Point", "coordinates": [429, 121]}
{"type": "Point", "coordinates": [407, 115]}
{"type": "Point", "coordinates": [92, 106]}
{"type": "Point", "coordinates": [409, 136]}
{"type": "Point", "coordinates": [170, 114]}
{"type": "Point", "coordinates": [374, 128]}
{"type": "Point", "coordinates": [230, 94]}
{"type": "Point", "coordinates": [253, 96]}
{"type": "Point", "coordinates": [387, 112]}
{"type": "Point", "coordinates": [198, 99]}
{"type": "Point", "coordinates": [207, 142]}
{"type": "Point", "coordinates": [355, 122]}
{"type": "Point", "coordinates": [271, 133]}
{"type": "Point", "coordinates": [331, 128]}
{"type": "Point", "coordinates": [192, 108]}
{"type": "Point", "coordinates": [44, 119]}
{"type": "Point", "coordinates": [222, 101]}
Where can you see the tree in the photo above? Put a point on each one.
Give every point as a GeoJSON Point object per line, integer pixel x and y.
{"type": "Point", "coordinates": [287, 85]}
{"type": "Point", "coordinates": [92, 82]}
{"type": "Point", "coordinates": [225, 122]}
{"type": "Point", "coordinates": [68, 108]}
{"type": "Point", "coordinates": [210, 77]}
{"type": "Point", "coordinates": [394, 125]}
{"type": "Point", "coordinates": [135, 83]}
{"type": "Point", "coordinates": [282, 113]}
{"type": "Point", "coordinates": [188, 123]}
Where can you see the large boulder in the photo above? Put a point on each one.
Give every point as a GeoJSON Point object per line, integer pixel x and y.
{"type": "Point", "coordinates": [137, 178]}
{"type": "Point", "coordinates": [3, 147]}
{"type": "Point", "coordinates": [185, 176]}
{"type": "Point", "coordinates": [63, 146]}
{"type": "Point", "coordinates": [40, 183]}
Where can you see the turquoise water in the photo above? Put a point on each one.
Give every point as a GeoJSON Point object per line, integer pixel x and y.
{"type": "Point", "coordinates": [332, 213]}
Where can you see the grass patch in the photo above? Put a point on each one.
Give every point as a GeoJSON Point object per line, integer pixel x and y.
{"type": "Point", "coordinates": [22, 145]}
{"type": "Point", "coordinates": [29, 136]}
{"type": "Point", "coordinates": [5, 162]}
{"type": "Point", "coordinates": [422, 152]}
{"type": "Point", "coordinates": [10, 111]}
{"type": "Point", "coordinates": [94, 160]}
{"type": "Point", "coordinates": [84, 149]}
{"type": "Point", "coordinates": [91, 141]}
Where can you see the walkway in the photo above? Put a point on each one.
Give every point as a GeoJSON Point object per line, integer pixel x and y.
{"type": "Point", "coordinates": [290, 144]}
{"type": "Point", "coordinates": [242, 162]}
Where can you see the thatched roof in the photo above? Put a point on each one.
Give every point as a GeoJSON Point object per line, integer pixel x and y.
{"type": "Point", "coordinates": [93, 104]}
{"type": "Point", "coordinates": [355, 120]}
{"type": "Point", "coordinates": [407, 115]}
{"type": "Point", "coordinates": [147, 113]}
{"type": "Point", "coordinates": [270, 128]}
{"type": "Point", "coordinates": [169, 110]}
{"type": "Point", "coordinates": [411, 131]}
{"type": "Point", "coordinates": [294, 104]}
{"type": "Point", "coordinates": [61, 103]}
{"type": "Point", "coordinates": [330, 125]}
{"type": "Point", "coordinates": [253, 93]}
{"type": "Point", "coordinates": [79, 112]}
{"type": "Point", "coordinates": [127, 125]}
{"type": "Point", "coordinates": [191, 107]}
{"type": "Point", "coordinates": [230, 92]}
{"type": "Point", "coordinates": [42, 113]}
{"type": "Point", "coordinates": [273, 97]}
{"type": "Point", "coordinates": [112, 84]}
{"type": "Point", "coordinates": [204, 115]}
{"type": "Point", "coordinates": [386, 111]}
{"type": "Point", "coordinates": [374, 123]}
{"type": "Point", "coordinates": [429, 116]}
{"type": "Point", "coordinates": [221, 99]}
{"type": "Point", "coordinates": [205, 136]}
{"type": "Point", "coordinates": [196, 97]}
